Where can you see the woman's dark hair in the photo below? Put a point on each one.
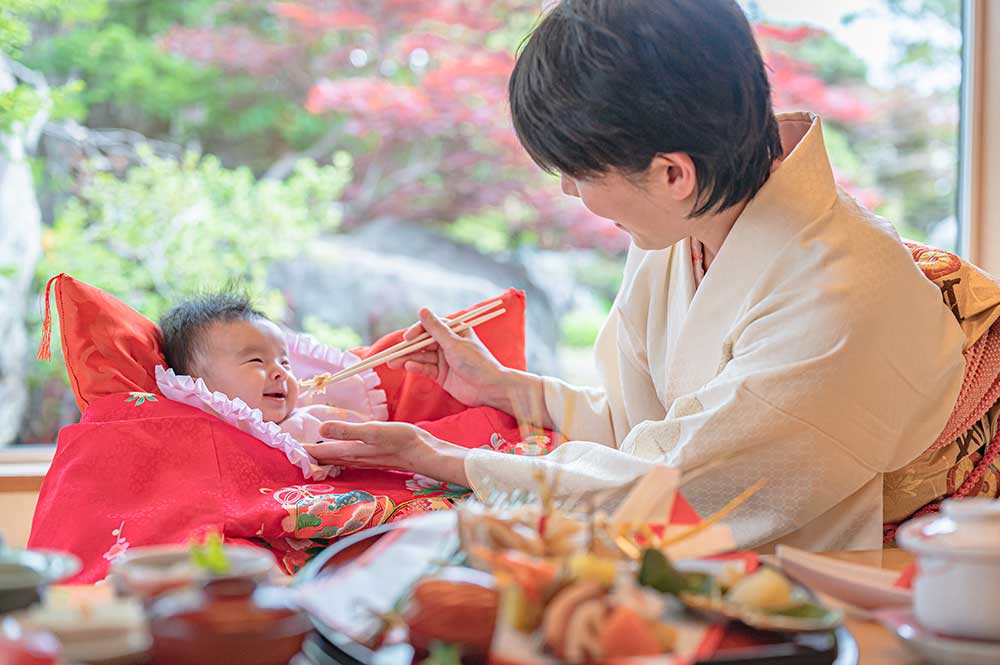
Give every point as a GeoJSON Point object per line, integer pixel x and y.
{"type": "Point", "coordinates": [182, 326]}
{"type": "Point", "coordinates": [605, 85]}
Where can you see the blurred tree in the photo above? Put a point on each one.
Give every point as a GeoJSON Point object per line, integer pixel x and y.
{"type": "Point", "coordinates": [415, 91]}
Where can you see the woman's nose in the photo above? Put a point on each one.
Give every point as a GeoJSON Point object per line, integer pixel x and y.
{"type": "Point", "coordinates": [569, 186]}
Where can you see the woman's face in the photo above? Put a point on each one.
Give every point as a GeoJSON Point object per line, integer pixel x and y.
{"type": "Point", "coordinates": [652, 208]}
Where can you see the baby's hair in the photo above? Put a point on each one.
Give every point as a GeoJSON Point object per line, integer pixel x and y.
{"type": "Point", "coordinates": [183, 325]}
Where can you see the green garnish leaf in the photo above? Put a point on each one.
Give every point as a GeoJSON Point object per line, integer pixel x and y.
{"type": "Point", "coordinates": [210, 556]}
{"type": "Point", "coordinates": [443, 654]}
{"type": "Point", "coordinates": [656, 572]}
{"type": "Point", "coordinates": [700, 584]}
{"type": "Point", "coordinates": [804, 611]}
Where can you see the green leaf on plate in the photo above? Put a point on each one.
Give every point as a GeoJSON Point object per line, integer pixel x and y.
{"type": "Point", "coordinates": [804, 611]}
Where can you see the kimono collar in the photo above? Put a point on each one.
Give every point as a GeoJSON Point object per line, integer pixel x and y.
{"type": "Point", "coordinates": [797, 192]}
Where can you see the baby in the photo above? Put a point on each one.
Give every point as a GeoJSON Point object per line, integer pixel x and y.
{"type": "Point", "coordinates": [221, 339]}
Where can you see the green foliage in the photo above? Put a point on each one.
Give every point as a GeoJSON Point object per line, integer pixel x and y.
{"type": "Point", "coordinates": [834, 62]}
{"type": "Point", "coordinates": [487, 232]}
{"type": "Point", "coordinates": [169, 228]}
{"type": "Point", "coordinates": [580, 328]}
{"type": "Point", "coordinates": [337, 337]}
{"type": "Point", "coordinates": [16, 15]}
{"type": "Point", "coordinates": [149, 81]}
{"type": "Point", "coordinates": [20, 104]}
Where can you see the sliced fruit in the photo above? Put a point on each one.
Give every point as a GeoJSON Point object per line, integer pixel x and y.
{"type": "Point", "coordinates": [766, 589]}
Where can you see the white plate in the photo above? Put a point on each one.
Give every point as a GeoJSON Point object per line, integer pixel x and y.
{"type": "Point", "coordinates": [935, 648]}
{"type": "Point", "coordinates": [858, 585]}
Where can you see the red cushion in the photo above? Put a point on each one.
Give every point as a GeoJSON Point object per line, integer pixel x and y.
{"type": "Point", "coordinates": [413, 398]}
{"type": "Point", "coordinates": [111, 348]}
{"type": "Point", "coordinates": [108, 346]}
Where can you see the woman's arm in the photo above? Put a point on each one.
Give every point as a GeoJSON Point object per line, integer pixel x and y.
{"type": "Point", "coordinates": [398, 446]}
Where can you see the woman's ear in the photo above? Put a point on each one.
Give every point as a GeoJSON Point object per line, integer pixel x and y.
{"type": "Point", "coordinates": [674, 171]}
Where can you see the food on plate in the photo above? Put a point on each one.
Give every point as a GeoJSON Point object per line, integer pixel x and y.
{"type": "Point", "coordinates": [586, 622]}
{"type": "Point", "coordinates": [767, 590]}
{"type": "Point", "coordinates": [453, 612]}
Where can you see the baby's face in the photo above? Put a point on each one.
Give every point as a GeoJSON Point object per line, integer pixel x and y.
{"type": "Point", "coordinates": [249, 360]}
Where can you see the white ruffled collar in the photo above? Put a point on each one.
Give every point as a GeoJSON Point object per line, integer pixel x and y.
{"type": "Point", "coordinates": [236, 412]}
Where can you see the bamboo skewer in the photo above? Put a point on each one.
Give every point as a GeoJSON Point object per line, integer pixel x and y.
{"type": "Point", "coordinates": [405, 348]}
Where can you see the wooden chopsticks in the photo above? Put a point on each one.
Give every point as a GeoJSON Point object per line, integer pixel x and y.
{"type": "Point", "coordinates": [463, 322]}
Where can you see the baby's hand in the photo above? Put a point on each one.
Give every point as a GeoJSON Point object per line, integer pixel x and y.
{"type": "Point", "coordinates": [304, 423]}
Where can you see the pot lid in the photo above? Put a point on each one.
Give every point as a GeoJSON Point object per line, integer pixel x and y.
{"type": "Point", "coordinates": [964, 527]}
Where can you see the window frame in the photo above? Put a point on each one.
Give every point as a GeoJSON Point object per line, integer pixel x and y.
{"type": "Point", "coordinates": [979, 171]}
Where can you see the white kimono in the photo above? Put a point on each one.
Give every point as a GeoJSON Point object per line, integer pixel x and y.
{"type": "Point", "coordinates": [814, 354]}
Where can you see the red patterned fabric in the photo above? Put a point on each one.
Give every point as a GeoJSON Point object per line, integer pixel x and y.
{"type": "Point", "coordinates": [157, 471]}
{"type": "Point", "coordinates": [980, 386]}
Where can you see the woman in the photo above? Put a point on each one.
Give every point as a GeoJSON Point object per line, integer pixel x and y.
{"type": "Point", "coordinates": [767, 325]}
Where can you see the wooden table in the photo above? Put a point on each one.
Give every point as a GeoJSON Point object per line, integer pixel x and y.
{"type": "Point", "coordinates": [876, 645]}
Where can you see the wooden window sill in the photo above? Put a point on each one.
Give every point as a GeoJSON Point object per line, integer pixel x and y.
{"type": "Point", "coordinates": [22, 468]}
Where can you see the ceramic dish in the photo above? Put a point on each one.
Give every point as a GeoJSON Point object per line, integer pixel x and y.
{"type": "Point", "coordinates": [935, 648]}
{"type": "Point", "coordinates": [147, 572]}
{"type": "Point", "coordinates": [24, 574]}
{"type": "Point", "coordinates": [106, 632]}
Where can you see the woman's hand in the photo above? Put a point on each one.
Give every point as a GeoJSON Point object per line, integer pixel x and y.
{"type": "Point", "coordinates": [459, 363]}
{"type": "Point", "coordinates": [398, 446]}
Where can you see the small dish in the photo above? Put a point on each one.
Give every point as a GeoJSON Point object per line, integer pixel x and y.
{"type": "Point", "coordinates": [100, 629]}
{"type": "Point", "coordinates": [226, 620]}
{"type": "Point", "coordinates": [936, 648]}
{"type": "Point", "coordinates": [24, 574]}
{"type": "Point", "coordinates": [763, 599]}
{"type": "Point", "coordinates": [147, 572]}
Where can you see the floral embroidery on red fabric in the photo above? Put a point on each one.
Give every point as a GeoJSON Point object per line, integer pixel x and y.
{"type": "Point", "coordinates": [138, 399]}
{"type": "Point", "coordinates": [424, 504]}
{"type": "Point", "coordinates": [120, 546]}
{"type": "Point", "coordinates": [422, 486]}
{"type": "Point", "coordinates": [935, 263]}
{"type": "Point", "coordinates": [531, 445]}
{"type": "Point", "coordinates": [318, 512]}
